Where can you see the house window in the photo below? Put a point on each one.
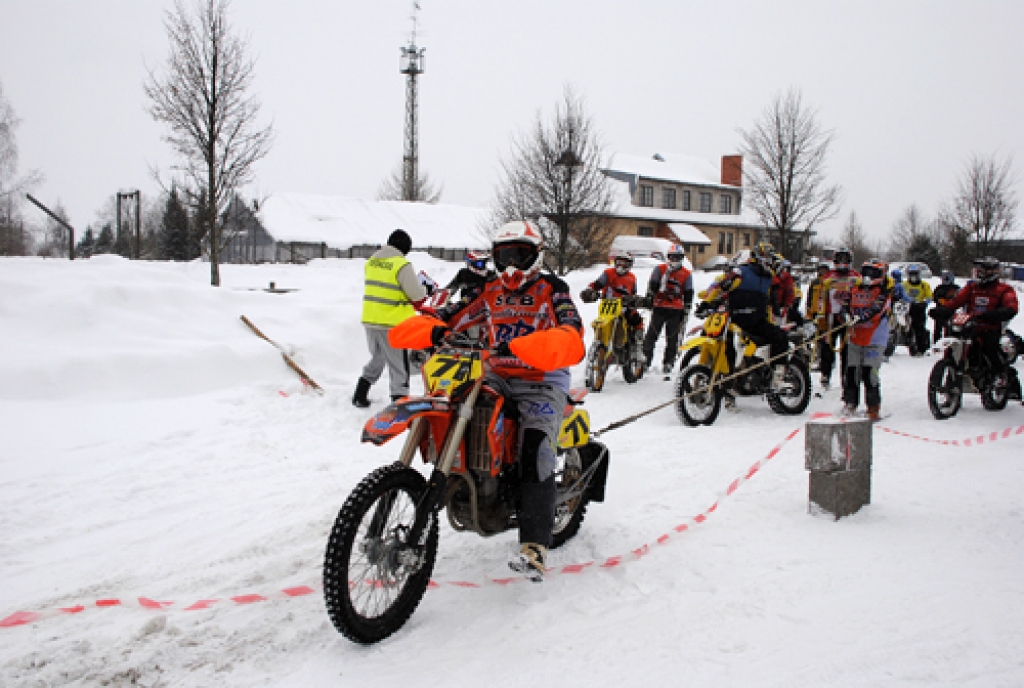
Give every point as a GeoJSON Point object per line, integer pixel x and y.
{"type": "Point", "coordinates": [721, 243]}
{"type": "Point", "coordinates": [725, 205]}
{"type": "Point", "coordinates": [647, 196]}
{"type": "Point", "coordinates": [746, 238]}
{"type": "Point", "coordinates": [668, 198]}
{"type": "Point", "coordinates": [700, 249]}
{"type": "Point", "coordinates": [728, 246]}
{"type": "Point", "coordinates": [645, 231]}
{"type": "Point", "coordinates": [705, 202]}
{"type": "Point", "coordinates": [686, 199]}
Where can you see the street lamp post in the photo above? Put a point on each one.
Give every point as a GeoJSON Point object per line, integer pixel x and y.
{"type": "Point", "coordinates": [567, 161]}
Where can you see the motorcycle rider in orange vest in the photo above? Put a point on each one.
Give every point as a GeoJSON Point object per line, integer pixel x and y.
{"type": "Point", "coordinates": [531, 320]}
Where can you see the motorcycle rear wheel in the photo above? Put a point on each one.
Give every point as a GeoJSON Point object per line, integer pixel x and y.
{"type": "Point", "coordinates": [373, 581]}
{"type": "Point", "coordinates": [701, 408]}
{"type": "Point", "coordinates": [794, 402]}
{"type": "Point", "coordinates": [994, 399]}
{"type": "Point", "coordinates": [597, 367]}
{"type": "Point", "coordinates": [945, 390]}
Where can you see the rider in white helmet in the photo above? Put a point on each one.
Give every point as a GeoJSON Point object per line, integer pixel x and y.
{"type": "Point", "coordinates": [531, 320]}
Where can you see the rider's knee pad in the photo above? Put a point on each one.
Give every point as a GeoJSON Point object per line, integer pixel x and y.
{"type": "Point", "coordinates": [532, 440]}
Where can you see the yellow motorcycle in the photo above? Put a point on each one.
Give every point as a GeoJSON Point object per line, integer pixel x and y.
{"type": "Point", "coordinates": [615, 341]}
{"type": "Point", "coordinates": [721, 350]}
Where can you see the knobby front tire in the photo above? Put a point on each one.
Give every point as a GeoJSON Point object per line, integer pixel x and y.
{"type": "Point", "coordinates": [373, 581]}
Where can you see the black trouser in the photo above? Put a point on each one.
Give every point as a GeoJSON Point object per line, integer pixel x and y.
{"type": "Point", "coordinates": [864, 362]}
{"type": "Point", "coordinates": [772, 334]}
{"type": "Point", "coordinates": [672, 320]}
{"type": "Point", "coordinates": [918, 320]}
{"type": "Point", "coordinates": [828, 354]}
{"type": "Point", "coordinates": [941, 329]}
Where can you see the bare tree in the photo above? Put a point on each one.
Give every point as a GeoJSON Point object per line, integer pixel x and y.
{"type": "Point", "coordinates": [917, 238]}
{"type": "Point", "coordinates": [15, 239]}
{"type": "Point", "coordinates": [784, 164]}
{"type": "Point", "coordinates": [854, 238]}
{"type": "Point", "coordinates": [984, 207]}
{"type": "Point", "coordinates": [393, 188]}
{"type": "Point", "coordinates": [205, 101]}
{"type": "Point", "coordinates": [911, 224]}
{"type": "Point", "coordinates": [553, 176]}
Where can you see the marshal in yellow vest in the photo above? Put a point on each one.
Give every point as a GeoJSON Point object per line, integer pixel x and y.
{"type": "Point", "coordinates": [384, 302]}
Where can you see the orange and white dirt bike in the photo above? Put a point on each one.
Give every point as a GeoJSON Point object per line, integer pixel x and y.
{"type": "Point", "coordinates": [384, 542]}
{"type": "Point", "coordinates": [615, 342]}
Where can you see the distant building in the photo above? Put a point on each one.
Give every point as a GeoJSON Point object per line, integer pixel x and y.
{"type": "Point", "coordinates": [686, 200]}
{"type": "Point", "coordinates": [295, 228]}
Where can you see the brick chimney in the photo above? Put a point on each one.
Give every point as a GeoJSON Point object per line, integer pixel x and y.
{"type": "Point", "coordinates": [732, 170]}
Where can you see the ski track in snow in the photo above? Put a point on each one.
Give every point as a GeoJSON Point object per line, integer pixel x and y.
{"type": "Point", "coordinates": [148, 452]}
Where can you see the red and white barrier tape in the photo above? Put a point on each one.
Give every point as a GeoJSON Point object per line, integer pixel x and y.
{"type": "Point", "coordinates": [969, 442]}
{"type": "Point", "coordinates": [23, 618]}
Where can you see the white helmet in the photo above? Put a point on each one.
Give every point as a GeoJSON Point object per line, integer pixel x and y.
{"type": "Point", "coordinates": [622, 260]}
{"type": "Point", "coordinates": [518, 253]}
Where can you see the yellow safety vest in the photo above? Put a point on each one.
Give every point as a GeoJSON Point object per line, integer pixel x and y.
{"type": "Point", "coordinates": [384, 302]}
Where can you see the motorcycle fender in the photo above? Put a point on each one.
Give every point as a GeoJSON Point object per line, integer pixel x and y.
{"type": "Point", "coordinates": [575, 430]}
{"type": "Point", "coordinates": [396, 418]}
{"type": "Point", "coordinates": [591, 453]}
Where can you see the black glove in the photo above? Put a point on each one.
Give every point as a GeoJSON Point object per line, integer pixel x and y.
{"type": "Point", "coordinates": [703, 309]}
{"type": "Point", "coordinates": [588, 295]}
{"type": "Point", "coordinates": [940, 313]}
{"type": "Point", "coordinates": [438, 334]}
{"type": "Point", "coordinates": [430, 289]}
{"type": "Point", "coordinates": [503, 350]}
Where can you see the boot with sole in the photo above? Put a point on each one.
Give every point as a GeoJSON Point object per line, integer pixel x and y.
{"type": "Point", "coordinates": [359, 399]}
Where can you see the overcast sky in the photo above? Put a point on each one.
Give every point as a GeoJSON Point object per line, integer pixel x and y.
{"type": "Point", "coordinates": [912, 88]}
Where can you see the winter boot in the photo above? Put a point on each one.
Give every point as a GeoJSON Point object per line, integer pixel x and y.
{"type": "Point", "coordinates": [849, 410]}
{"type": "Point", "coordinates": [666, 369]}
{"type": "Point", "coordinates": [778, 378]}
{"type": "Point", "coordinates": [874, 413]}
{"type": "Point", "coordinates": [529, 561]}
{"type": "Point", "coordinates": [825, 381]}
{"type": "Point", "coordinates": [359, 399]}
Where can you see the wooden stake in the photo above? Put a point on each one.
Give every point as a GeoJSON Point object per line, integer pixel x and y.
{"type": "Point", "coordinates": [287, 359]}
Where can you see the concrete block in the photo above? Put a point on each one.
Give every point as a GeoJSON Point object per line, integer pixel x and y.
{"type": "Point", "coordinates": [839, 493]}
{"type": "Point", "coordinates": [837, 444]}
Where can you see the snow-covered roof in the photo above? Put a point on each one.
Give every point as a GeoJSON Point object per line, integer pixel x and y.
{"type": "Point", "coordinates": [623, 207]}
{"type": "Point", "coordinates": [343, 222]}
{"type": "Point", "coordinates": [688, 234]}
{"type": "Point", "coordinates": [669, 167]}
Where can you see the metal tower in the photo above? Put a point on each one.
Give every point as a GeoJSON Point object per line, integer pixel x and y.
{"type": "Point", "coordinates": [412, 64]}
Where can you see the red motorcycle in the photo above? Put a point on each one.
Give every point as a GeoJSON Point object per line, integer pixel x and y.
{"type": "Point", "coordinates": [384, 542]}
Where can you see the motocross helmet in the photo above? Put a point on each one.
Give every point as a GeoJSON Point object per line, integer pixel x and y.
{"type": "Point", "coordinates": [785, 266]}
{"type": "Point", "coordinates": [987, 269]}
{"type": "Point", "coordinates": [947, 277]}
{"type": "Point", "coordinates": [764, 255]}
{"type": "Point", "coordinates": [873, 272]}
{"type": "Point", "coordinates": [843, 259]}
{"type": "Point", "coordinates": [476, 261]}
{"type": "Point", "coordinates": [914, 274]}
{"type": "Point", "coordinates": [742, 256]}
{"type": "Point", "coordinates": [823, 267]}
{"type": "Point", "coordinates": [897, 276]}
{"type": "Point", "coordinates": [518, 252]}
{"type": "Point", "coordinates": [623, 261]}
{"type": "Point", "coordinates": [675, 256]}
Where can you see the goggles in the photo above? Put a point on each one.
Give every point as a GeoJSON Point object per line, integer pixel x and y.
{"type": "Point", "coordinates": [675, 257]}
{"type": "Point", "coordinates": [521, 256]}
{"type": "Point", "coordinates": [480, 265]}
{"type": "Point", "coordinates": [871, 272]}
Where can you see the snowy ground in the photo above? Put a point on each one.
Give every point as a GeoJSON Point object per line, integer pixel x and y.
{"type": "Point", "coordinates": [148, 451]}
